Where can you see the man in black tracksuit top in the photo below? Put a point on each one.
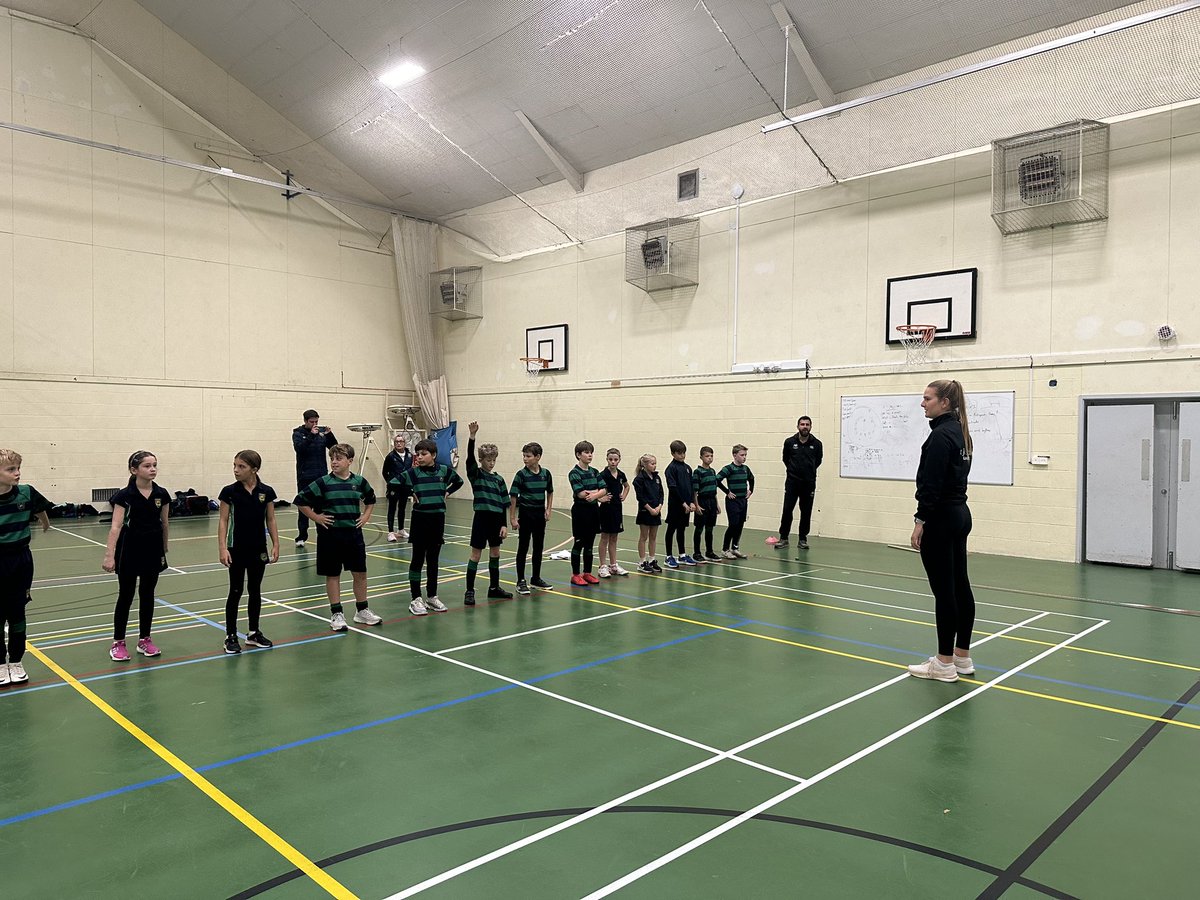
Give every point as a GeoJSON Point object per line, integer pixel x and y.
{"type": "Point", "coordinates": [802, 454]}
{"type": "Point", "coordinates": [310, 441]}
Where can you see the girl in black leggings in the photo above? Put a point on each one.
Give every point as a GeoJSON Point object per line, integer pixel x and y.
{"type": "Point", "coordinates": [942, 524]}
{"type": "Point", "coordinates": [137, 551]}
{"type": "Point", "coordinates": [247, 516]}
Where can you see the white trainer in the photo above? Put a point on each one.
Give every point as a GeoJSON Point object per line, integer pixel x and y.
{"type": "Point", "coordinates": [617, 570]}
{"type": "Point", "coordinates": [435, 605]}
{"type": "Point", "coordinates": [16, 673]}
{"type": "Point", "coordinates": [337, 622]}
{"type": "Point", "coordinates": [728, 554]}
{"type": "Point", "coordinates": [3, 673]}
{"type": "Point", "coordinates": [738, 554]}
{"type": "Point", "coordinates": [604, 572]}
{"type": "Point", "coordinates": [402, 534]}
{"type": "Point", "coordinates": [965, 665]}
{"type": "Point", "coordinates": [935, 670]}
{"type": "Point", "coordinates": [391, 537]}
{"type": "Point", "coordinates": [366, 617]}
{"type": "Point", "coordinates": [417, 607]}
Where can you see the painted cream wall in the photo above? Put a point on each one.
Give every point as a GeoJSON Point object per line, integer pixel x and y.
{"type": "Point", "coordinates": [1078, 304]}
{"type": "Point", "coordinates": [143, 305]}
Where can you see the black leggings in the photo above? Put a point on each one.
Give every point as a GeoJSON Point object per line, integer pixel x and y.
{"type": "Point", "coordinates": [944, 555]}
{"type": "Point", "coordinates": [14, 618]}
{"type": "Point", "coordinates": [532, 530]}
{"type": "Point", "coordinates": [735, 511]}
{"type": "Point", "coordinates": [126, 585]}
{"type": "Point", "coordinates": [397, 501]}
{"type": "Point", "coordinates": [252, 574]}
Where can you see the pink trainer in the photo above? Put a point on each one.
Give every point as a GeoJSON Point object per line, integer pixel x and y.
{"type": "Point", "coordinates": [118, 652]}
{"type": "Point", "coordinates": [146, 647]}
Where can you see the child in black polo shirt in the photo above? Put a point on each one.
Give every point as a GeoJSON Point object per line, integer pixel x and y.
{"type": "Point", "coordinates": [19, 504]}
{"type": "Point", "coordinates": [247, 515]}
{"type": "Point", "coordinates": [429, 485]}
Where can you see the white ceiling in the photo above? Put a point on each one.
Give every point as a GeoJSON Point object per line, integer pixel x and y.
{"type": "Point", "coordinates": [602, 80]}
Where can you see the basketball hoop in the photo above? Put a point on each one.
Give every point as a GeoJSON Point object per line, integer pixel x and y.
{"type": "Point", "coordinates": [917, 339]}
{"type": "Point", "coordinates": [534, 365]}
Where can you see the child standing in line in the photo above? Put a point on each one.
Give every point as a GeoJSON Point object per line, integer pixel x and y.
{"type": "Point", "coordinates": [341, 503]}
{"type": "Point", "coordinates": [395, 464]}
{"type": "Point", "coordinates": [681, 497]}
{"type": "Point", "coordinates": [19, 504]}
{"type": "Point", "coordinates": [532, 500]}
{"type": "Point", "coordinates": [487, 527]}
{"type": "Point", "coordinates": [707, 508]}
{"type": "Point", "coordinates": [737, 482]}
{"type": "Point", "coordinates": [247, 515]}
{"type": "Point", "coordinates": [612, 523]}
{"type": "Point", "coordinates": [429, 485]}
{"type": "Point", "coordinates": [648, 489]}
{"type": "Point", "coordinates": [137, 551]}
{"type": "Point", "coordinates": [589, 493]}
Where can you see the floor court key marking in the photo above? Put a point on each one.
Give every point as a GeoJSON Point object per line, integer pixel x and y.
{"type": "Point", "coordinates": [326, 881]}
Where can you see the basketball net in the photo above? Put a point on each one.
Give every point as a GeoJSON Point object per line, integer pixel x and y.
{"type": "Point", "coordinates": [917, 339]}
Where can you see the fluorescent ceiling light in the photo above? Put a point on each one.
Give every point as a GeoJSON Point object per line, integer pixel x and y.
{"type": "Point", "coordinates": [402, 74]}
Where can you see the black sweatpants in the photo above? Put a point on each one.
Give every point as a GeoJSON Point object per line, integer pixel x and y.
{"type": "Point", "coordinates": [735, 511]}
{"type": "Point", "coordinates": [705, 520]}
{"type": "Point", "coordinates": [144, 586]}
{"type": "Point", "coordinates": [585, 525]}
{"type": "Point", "coordinates": [426, 537]}
{"type": "Point", "coordinates": [397, 502]}
{"type": "Point", "coordinates": [944, 555]}
{"type": "Point", "coordinates": [250, 572]}
{"type": "Point", "coordinates": [794, 490]}
{"type": "Point", "coordinates": [16, 577]}
{"type": "Point", "coordinates": [531, 532]}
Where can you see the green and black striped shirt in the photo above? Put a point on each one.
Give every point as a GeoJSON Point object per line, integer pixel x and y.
{"type": "Point", "coordinates": [705, 480]}
{"type": "Point", "coordinates": [584, 480]}
{"type": "Point", "coordinates": [739, 478]}
{"type": "Point", "coordinates": [338, 498]}
{"type": "Point", "coordinates": [429, 487]}
{"type": "Point", "coordinates": [17, 509]}
{"type": "Point", "coordinates": [531, 488]}
{"type": "Point", "coordinates": [491, 493]}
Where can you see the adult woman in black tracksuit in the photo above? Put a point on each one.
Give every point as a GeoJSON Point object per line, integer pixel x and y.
{"type": "Point", "coordinates": [942, 523]}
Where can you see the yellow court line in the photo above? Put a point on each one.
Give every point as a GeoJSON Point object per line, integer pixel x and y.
{"type": "Point", "coordinates": [326, 881]}
{"type": "Point", "coordinates": [879, 662]}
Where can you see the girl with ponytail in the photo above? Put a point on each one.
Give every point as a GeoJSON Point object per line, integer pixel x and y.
{"type": "Point", "coordinates": [942, 524]}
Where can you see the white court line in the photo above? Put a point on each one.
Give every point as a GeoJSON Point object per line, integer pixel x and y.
{"type": "Point", "coordinates": [607, 615]}
{"type": "Point", "coordinates": [545, 693]}
{"type": "Point", "coordinates": [653, 786]}
{"type": "Point", "coordinates": [714, 833]}
{"type": "Point", "coordinates": [80, 536]}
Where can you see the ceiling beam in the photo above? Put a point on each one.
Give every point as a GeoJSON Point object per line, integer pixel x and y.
{"type": "Point", "coordinates": [815, 79]}
{"type": "Point", "coordinates": [568, 171]}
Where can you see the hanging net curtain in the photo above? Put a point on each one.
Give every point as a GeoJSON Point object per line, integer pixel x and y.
{"type": "Point", "coordinates": [415, 255]}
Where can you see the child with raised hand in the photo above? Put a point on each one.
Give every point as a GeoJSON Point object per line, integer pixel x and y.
{"type": "Point", "coordinates": [704, 478]}
{"type": "Point", "coordinates": [429, 484]}
{"type": "Point", "coordinates": [532, 501]}
{"type": "Point", "coordinates": [737, 481]}
{"type": "Point", "coordinates": [487, 526]}
{"type": "Point", "coordinates": [648, 488]}
{"type": "Point", "coordinates": [612, 522]}
{"type": "Point", "coordinates": [247, 516]}
{"type": "Point", "coordinates": [19, 505]}
{"type": "Point", "coordinates": [341, 503]}
{"type": "Point", "coordinates": [137, 551]}
{"type": "Point", "coordinates": [395, 464]}
{"type": "Point", "coordinates": [589, 493]}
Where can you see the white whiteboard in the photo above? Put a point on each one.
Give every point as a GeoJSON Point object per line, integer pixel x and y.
{"type": "Point", "coordinates": [882, 436]}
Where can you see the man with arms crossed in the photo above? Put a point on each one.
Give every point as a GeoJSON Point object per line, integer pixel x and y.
{"type": "Point", "coordinates": [802, 454]}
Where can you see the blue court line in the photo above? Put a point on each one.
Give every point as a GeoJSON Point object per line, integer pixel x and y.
{"type": "Point", "coordinates": [167, 665]}
{"type": "Point", "coordinates": [192, 615]}
{"type": "Point", "coordinates": [81, 801]}
{"type": "Point", "coordinates": [906, 652]}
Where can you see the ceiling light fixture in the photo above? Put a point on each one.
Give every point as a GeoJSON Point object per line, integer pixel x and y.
{"type": "Point", "coordinates": [402, 74]}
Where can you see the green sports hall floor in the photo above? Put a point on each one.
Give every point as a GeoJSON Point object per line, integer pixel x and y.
{"type": "Point", "coordinates": [734, 730]}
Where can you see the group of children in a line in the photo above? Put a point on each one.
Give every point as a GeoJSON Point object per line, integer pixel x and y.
{"type": "Point", "coordinates": [341, 503]}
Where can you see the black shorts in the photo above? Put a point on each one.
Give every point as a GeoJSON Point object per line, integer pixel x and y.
{"type": "Point", "coordinates": [611, 520]}
{"type": "Point", "coordinates": [248, 557]}
{"type": "Point", "coordinates": [708, 511]}
{"type": "Point", "coordinates": [676, 514]}
{"type": "Point", "coordinates": [16, 578]}
{"type": "Point", "coordinates": [485, 529]}
{"type": "Point", "coordinates": [140, 556]}
{"type": "Point", "coordinates": [427, 528]}
{"type": "Point", "coordinates": [531, 519]}
{"type": "Point", "coordinates": [340, 548]}
{"type": "Point", "coordinates": [585, 521]}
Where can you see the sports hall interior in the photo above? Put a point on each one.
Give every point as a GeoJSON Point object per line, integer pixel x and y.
{"type": "Point", "coordinates": [214, 216]}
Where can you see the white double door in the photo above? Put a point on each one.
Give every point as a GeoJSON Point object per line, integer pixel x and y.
{"type": "Point", "coordinates": [1142, 492]}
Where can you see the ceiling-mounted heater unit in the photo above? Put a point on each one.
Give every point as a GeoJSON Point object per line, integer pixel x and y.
{"type": "Point", "coordinates": [663, 254]}
{"type": "Point", "coordinates": [1057, 176]}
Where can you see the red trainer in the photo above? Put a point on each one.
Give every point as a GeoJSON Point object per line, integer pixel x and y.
{"type": "Point", "coordinates": [590, 578]}
{"type": "Point", "coordinates": [578, 581]}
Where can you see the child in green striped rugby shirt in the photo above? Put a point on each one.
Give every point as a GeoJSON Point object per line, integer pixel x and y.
{"type": "Point", "coordinates": [429, 485]}
{"type": "Point", "coordinates": [20, 504]}
{"type": "Point", "coordinates": [488, 527]}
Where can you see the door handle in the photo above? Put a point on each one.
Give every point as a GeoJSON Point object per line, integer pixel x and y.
{"type": "Point", "coordinates": [1185, 459]}
{"type": "Point", "coordinates": [1146, 459]}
